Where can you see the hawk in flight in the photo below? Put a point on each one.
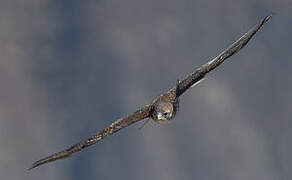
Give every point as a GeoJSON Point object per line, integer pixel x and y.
{"type": "Point", "coordinates": [164, 107]}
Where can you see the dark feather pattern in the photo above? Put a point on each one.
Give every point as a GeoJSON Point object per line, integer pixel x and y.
{"type": "Point", "coordinates": [170, 98]}
{"type": "Point", "coordinates": [200, 73]}
{"type": "Point", "coordinates": [114, 127]}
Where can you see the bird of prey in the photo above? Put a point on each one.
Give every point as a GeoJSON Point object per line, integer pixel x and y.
{"type": "Point", "coordinates": [163, 108]}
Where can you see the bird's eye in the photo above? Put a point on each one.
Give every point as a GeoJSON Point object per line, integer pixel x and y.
{"type": "Point", "coordinates": [165, 113]}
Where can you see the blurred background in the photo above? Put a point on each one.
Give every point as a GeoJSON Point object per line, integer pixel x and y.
{"type": "Point", "coordinates": [70, 68]}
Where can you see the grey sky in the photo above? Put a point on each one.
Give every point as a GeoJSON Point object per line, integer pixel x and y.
{"type": "Point", "coordinates": [70, 68]}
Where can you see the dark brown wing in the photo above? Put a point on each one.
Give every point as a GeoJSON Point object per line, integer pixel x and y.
{"type": "Point", "coordinates": [114, 127]}
{"type": "Point", "coordinates": [196, 76]}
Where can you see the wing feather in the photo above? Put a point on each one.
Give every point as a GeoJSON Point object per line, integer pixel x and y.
{"type": "Point", "coordinates": [196, 76]}
{"type": "Point", "coordinates": [114, 127]}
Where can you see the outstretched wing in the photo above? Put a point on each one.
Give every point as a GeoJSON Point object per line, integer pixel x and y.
{"type": "Point", "coordinates": [196, 76]}
{"type": "Point", "coordinates": [114, 127]}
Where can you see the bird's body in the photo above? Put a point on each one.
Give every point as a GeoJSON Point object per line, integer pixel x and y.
{"type": "Point", "coordinates": [163, 108]}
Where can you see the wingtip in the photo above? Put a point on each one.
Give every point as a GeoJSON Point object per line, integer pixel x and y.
{"type": "Point", "coordinates": [38, 163]}
{"type": "Point", "coordinates": [268, 17]}
{"type": "Point", "coordinates": [34, 165]}
{"type": "Point", "coordinates": [30, 168]}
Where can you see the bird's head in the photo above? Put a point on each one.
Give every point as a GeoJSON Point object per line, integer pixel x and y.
{"type": "Point", "coordinates": [162, 112]}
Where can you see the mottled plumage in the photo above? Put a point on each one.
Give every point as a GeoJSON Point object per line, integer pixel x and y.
{"type": "Point", "coordinates": [163, 108]}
